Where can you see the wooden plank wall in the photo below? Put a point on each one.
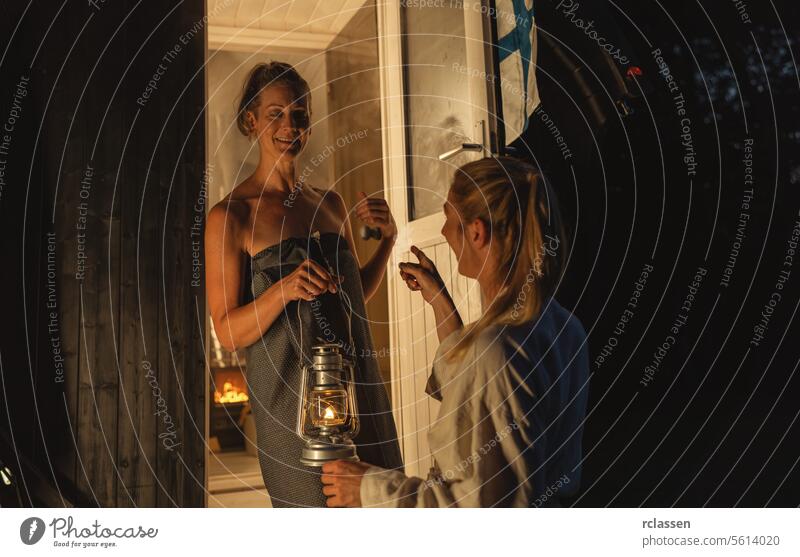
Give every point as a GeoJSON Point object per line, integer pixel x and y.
{"type": "Point", "coordinates": [118, 178]}
{"type": "Point", "coordinates": [418, 410]}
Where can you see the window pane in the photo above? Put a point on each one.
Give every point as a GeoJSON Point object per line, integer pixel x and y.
{"type": "Point", "coordinates": [438, 113]}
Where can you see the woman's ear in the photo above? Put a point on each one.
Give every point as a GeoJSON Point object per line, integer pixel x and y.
{"type": "Point", "coordinates": [478, 234]}
{"type": "Point", "coordinates": [251, 122]}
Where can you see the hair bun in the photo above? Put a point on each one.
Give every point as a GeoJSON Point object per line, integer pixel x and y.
{"type": "Point", "coordinates": [260, 77]}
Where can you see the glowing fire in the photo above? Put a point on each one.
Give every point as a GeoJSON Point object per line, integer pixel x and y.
{"type": "Point", "coordinates": [329, 414]}
{"type": "Point", "coordinates": [230, 393]}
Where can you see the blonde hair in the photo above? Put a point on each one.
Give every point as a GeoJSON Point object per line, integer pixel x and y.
{"type": "Point", "coordinates": [521, 212]}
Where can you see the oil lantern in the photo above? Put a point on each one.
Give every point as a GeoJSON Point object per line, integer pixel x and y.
{"type": "Point", "coordinates": [327, 415]}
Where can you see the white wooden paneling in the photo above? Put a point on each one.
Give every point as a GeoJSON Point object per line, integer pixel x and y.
{"type": "Point", "coordinates": [441, 257]}
{"type": "Point", "coordinates": [420, 375]}
{"type": "Point", "coordinates": [403, 375]}
{"type": "Point", "coordinates": [412, 325]}
{"type": "Point", "coordinates": [416, 333]}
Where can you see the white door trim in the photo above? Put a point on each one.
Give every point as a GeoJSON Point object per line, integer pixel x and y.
{"type": "Point", "coordinates": [394, 174]}
{"type": "Point", "coordinates": [412, 410]}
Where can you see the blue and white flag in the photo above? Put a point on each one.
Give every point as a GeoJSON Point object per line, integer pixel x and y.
{"type": "Point", "coordinates": [516, 30]}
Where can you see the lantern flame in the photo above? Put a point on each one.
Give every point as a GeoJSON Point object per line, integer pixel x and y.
{"type": "Point", "coordinates": [329, 414]}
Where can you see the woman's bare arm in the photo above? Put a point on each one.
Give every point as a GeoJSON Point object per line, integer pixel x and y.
{"type": "Point", "coordinates": [373, 270]}
{"type": "Point", "coordinates": [425, 278]}
{"type": "Point", "coordinates": [236, 325]}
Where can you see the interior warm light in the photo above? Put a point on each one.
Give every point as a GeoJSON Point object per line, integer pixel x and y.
{"type": "Point", "coordinates": [230, 394]}
{"type": "Point", "coordinates": [329, 413]}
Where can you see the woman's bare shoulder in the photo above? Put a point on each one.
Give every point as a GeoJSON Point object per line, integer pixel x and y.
{"type": "Point", "coordinates": [230, 212]}
{"type": "Point", "coordinates": [331, 197]}
{"type": "Point", "coordinates": [322, 192]}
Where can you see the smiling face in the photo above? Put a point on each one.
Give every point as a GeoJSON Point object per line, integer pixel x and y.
{"type": "Point", "coordinates": [280, 122]}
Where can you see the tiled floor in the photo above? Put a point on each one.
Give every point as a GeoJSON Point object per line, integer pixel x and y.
{"type": "Point", "coordinates": [234, 480]}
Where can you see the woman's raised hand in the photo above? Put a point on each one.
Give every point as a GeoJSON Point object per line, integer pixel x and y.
{"type": "Point", "coordinates": [423, 277]}
{"type": "Point", "coordinates": [374, 212]}
{"type": "Point", "coordinates": [307, 281]}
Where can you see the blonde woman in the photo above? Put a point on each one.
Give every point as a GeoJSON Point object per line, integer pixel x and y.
{"type": "Point", "coordinates": [513, 385]}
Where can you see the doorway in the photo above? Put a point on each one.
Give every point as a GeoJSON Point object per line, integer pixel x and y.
{"type": "Point", "coordinates": [437, 68]}
{"type": "Point", "coordinates": [334, 47]}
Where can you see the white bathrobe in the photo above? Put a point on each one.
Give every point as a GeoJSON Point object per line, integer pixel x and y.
{"type": "Point", "coordinates": [510, 424]}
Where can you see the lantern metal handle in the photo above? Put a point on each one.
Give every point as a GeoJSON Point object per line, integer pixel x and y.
{"type": "Point", "coordinates": [354, 415]}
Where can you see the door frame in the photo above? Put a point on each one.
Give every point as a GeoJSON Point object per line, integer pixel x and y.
{"type": "Point", "coordinates": [394, 170]}
{"type": "Point", "coordinates": [393, 117]}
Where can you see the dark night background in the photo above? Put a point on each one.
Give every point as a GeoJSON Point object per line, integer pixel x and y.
{"type": "Point", "coordinates": [717, 424]}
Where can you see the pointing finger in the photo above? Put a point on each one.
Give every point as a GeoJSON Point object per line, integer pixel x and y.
{"type": "Point", "coordinates": [420, 254]}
